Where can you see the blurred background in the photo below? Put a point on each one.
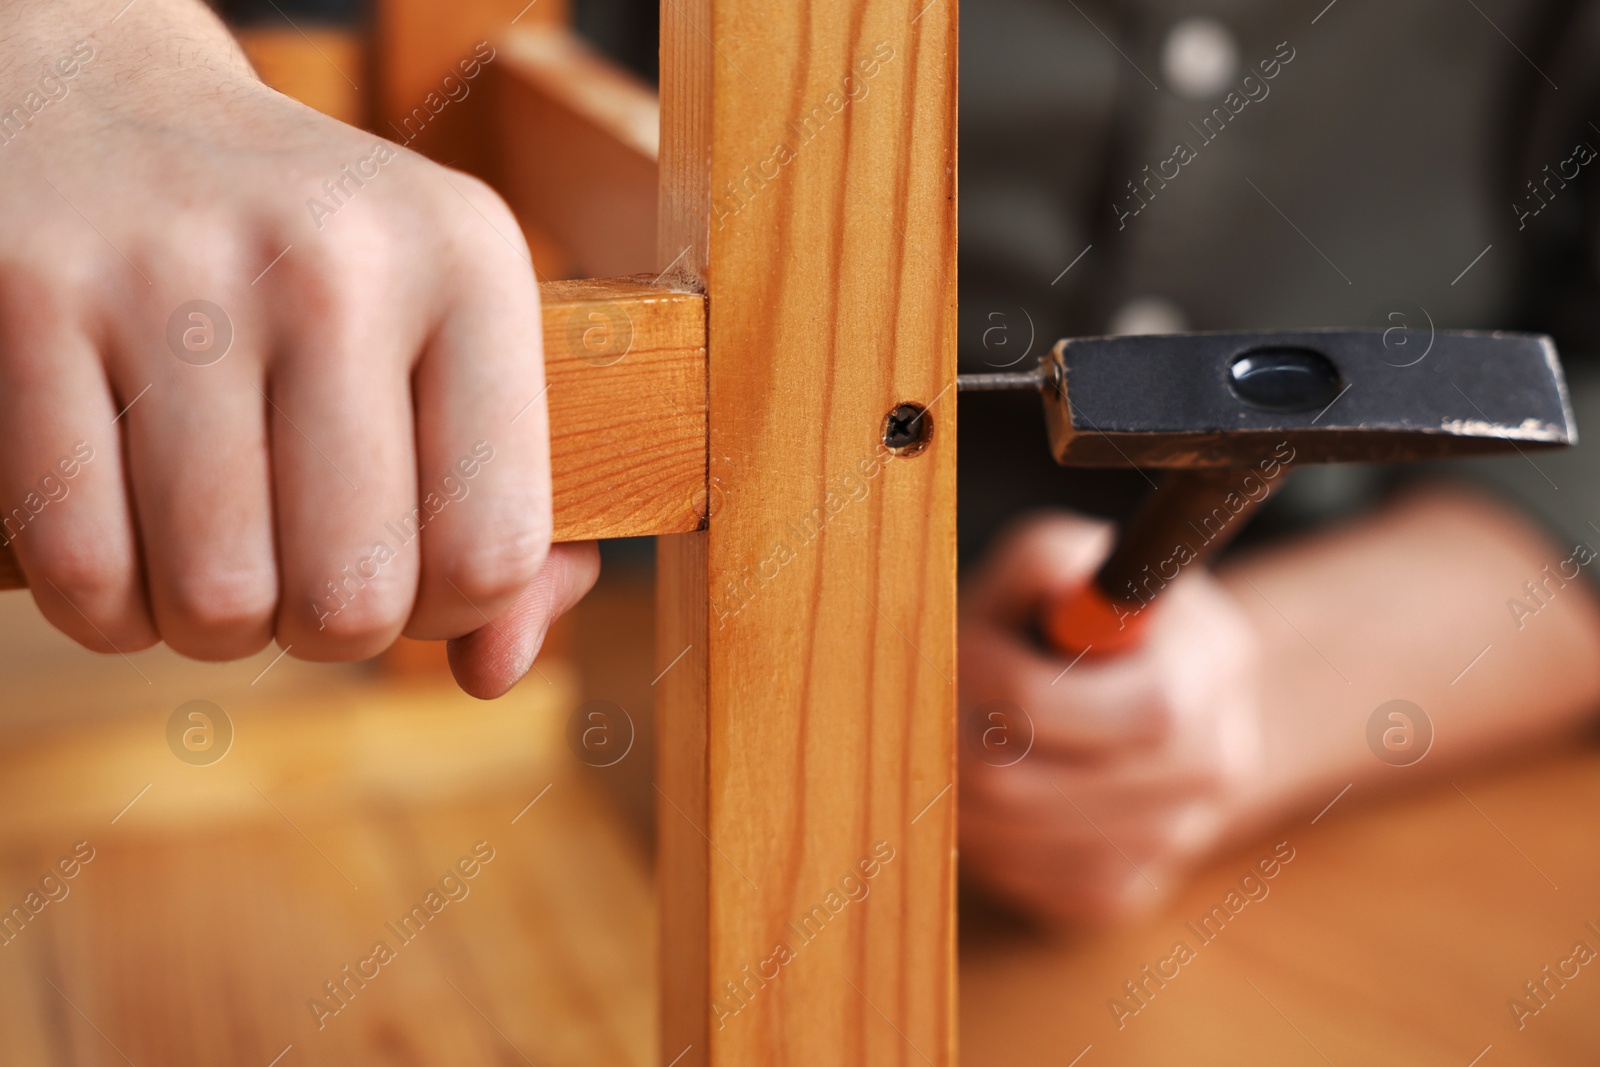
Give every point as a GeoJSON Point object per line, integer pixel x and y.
{"type": "Point", "coordinates": [243, 858]}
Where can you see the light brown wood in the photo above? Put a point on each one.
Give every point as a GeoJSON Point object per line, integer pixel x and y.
{"type": "Point", "coordinates": [578, 138]}
{"type": "Point", "coordinates": [319, 67]}
{"type": "Point", "coordinates": [386, 743]}
{"type": "Point", "coordinates": [625, 366]}
{"type": "Point", "coordinates": [417, 44]}
{"type": "Point", "coordinates": [1398, 935]}
{"type": "Point", "coordinates": [1395, 936]}
{"type": "Point", "coordinates": [625, 371]}
{"type": "Point", "coordinates": [216, 904]}
{"type": "Point", "coordinates": [808, 168]}
{"type": "Point", "coordinates": [200, 934]}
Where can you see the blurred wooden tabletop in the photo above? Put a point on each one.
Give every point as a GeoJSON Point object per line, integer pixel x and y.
{"type": "Point", "coordinates": [211, 903]}
{"type": "Point", "coordinates": [222, 898]}
{"type": "Point", "coordinates": [1396, 935]}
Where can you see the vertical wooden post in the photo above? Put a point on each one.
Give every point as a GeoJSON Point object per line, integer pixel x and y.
{"type": "Point", "coordinates": [806, 769]}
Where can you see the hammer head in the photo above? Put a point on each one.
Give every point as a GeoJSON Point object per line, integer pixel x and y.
{"type": "Point", "coordinates": [1228, 399]}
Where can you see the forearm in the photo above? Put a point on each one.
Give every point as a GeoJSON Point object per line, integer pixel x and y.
{"type": "Point", "coordinates": [1400, 606]}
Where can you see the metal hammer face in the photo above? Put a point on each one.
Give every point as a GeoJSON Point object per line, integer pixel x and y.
{"type": "Point", "coordinates": [1228, 399]}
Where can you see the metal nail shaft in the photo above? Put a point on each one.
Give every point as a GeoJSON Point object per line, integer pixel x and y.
{"type": "Point", "coordinates": [1031, 381]}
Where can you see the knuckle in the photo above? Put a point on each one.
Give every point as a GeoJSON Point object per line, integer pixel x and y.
{"type": "Point", "coordinates": [87, 575]}
{"type": "Point", "coordinates": [1191, 830]}
{"type": "Point", "coordinates": [324, 277]}
{"type": "Point", "coordinates": [354, 627]}
{"type": "Point", "coordinates": [103, 610]}
{"type": "Point", "coordinates": [498, 569]}
{"type": "Point", "coordinates": [217, 600]}
{"type": "Point", "coordinates": [481, 197]}
{"type": "Point", "coordinates": [196, 251]}
{"type": "Point", "coordinates": [484, 222]}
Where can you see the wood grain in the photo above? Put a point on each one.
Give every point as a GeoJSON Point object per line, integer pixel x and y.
{"type": "Point", "coordinates": [625, 364]}
{"type": "Point", "coordinates": [808, 169]}
{"type": "Point", "coordinates": [578, 138]}
{"type": "Point", "coordinates": [625, 369]}
{"type": "Point", "coordinates": [196, 937]}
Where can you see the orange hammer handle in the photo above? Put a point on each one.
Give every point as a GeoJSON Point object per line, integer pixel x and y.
{"type": "Point", "coordinates": [1090, 621]}
{"type": "Point", "coordinates": [1182, 524]}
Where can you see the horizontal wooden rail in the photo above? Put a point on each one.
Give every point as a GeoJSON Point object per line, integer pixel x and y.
{"type": "Point", "coordinates": [578, 139]}
{"type": "Point", "coordinates": [625, 364]}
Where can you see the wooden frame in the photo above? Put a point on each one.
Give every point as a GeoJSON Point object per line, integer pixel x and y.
{"type": "Point", "coordinates": [736, 405]}
{"type": "Point", "coordinates": [806, 738]}
{"type": "Point", "coordinates": [806, 718]}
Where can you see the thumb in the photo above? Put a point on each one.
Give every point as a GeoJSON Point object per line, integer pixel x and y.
{"type": "Point", "coordinates": [1037, 559]}
{"type": "Point", "coordinates": [493, 658]}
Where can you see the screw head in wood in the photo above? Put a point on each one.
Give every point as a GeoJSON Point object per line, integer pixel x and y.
{"type": "Point", "coordinates": [907, 429]}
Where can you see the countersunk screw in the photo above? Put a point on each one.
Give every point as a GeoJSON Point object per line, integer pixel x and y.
{"type": "Point", "coordinates": [907, 429]}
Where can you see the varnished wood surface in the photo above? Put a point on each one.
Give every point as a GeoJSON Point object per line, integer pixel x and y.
{"type": "Point", "coordinates": [416, 45]}
{"type": "Point", "coordinates": [807, 729]}
{"type": "Point", "coordinates": [625, 374]}
{"type": "Point", "coordinates": [219, 898]}
{"type": "Point", "coordinates": [625, 366]}
{"type": "Point", "coordinates": [322, 68]}
{"type": "Point", "coordinates": [1394, 938]}
{"type": "Point", "coordinates": [1397, 936]}
{"type": "Point", "coordinates": [578, 138]}
{"type": "Point", "coordinates": [202, 945]}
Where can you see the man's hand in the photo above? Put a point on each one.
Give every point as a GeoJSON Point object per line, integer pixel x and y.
{"type": "Point", "coordinates": [294, 371]}
{"type": "Point", "coordinates": [1087, 793]}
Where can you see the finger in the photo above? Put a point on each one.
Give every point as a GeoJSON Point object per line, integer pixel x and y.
{"type": "Point", "coordinates": [1060, 876]}
{"type": "Point", "coordinates": [1082, 709]}
{"type": "Point", "coordinates": [64, 506]}
{"type": "Point", "coordinates": [1039, 558]}
{"type": "Point", "coordinates": [198, 464]}
{"type": "Point", "coordinates": [1073, 895]}
{"type": "Point", "coordinates": [489, 661]}
{"type": "Point", "coordinates": [344, 483]}
{"type": "Point", "coordinates": [1067, 851]}
{"type": "Point", "coordinates": [1121, 790]}
{"type": "Point", "coordinates": [483, 452]}
{"type": "Point", "coordinates": [1155, 821]}
{"type": "Point", "coordinates": [1073, 852]}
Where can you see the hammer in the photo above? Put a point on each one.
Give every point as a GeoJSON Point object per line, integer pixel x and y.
{"type": "Point", "coordinates": [1228, 413]}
